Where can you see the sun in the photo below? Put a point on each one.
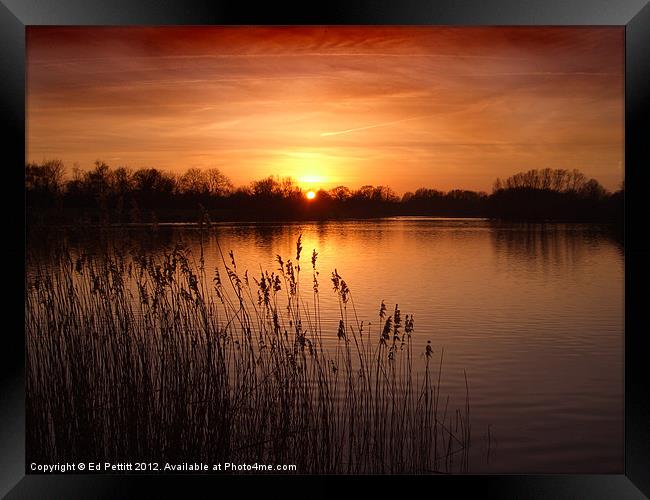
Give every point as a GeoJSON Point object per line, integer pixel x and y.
{"type": "Point", "coordinates": [310, 195]}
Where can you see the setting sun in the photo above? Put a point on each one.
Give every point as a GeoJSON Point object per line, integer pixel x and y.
{"type": "Point", "coordinates": [310, 195]}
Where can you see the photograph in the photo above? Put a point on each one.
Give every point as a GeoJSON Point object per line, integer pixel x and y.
{"type": "Point", "coordinates": [325, 249]}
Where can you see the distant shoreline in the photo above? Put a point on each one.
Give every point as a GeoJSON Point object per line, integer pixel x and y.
{"type": "Point", "coordinates": [107, 197]}
{"type": "Point", "coordinates": [251, 222]}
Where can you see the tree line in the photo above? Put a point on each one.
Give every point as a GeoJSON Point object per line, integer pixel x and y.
{"type": "Point", "coordinates": [122, 195]}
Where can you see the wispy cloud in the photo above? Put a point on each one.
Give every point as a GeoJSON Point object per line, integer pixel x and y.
{"type": "Point", "coordinates": [270, 55]}
{"type": "Point", "coordinates": [376, 125]}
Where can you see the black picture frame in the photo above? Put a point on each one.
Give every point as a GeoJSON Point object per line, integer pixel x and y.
{"type": "Point", "coordinates": [634, 15]}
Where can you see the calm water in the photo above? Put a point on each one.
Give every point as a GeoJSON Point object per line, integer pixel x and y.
{"type": "Point", "coordinates": [533, 313]}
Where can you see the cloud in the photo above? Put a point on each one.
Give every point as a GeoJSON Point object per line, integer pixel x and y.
{"type": "Point", "coordinates": [377, 125]}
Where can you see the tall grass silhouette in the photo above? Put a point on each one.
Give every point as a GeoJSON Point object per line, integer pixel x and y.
{"type": "Point", "coordinates": [139, 357]}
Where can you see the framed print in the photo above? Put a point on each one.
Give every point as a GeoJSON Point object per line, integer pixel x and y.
{"type": "Point", "coordinates": [374, 240]}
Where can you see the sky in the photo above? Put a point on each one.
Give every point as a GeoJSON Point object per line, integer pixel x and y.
{"type": "Point", "coordinates": [407, 107]}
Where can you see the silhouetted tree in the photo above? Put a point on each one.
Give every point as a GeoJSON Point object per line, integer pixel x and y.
{"type": "Point", "coordinates": [193, 182]}
{"type": "Point", "coordinates": [341, 193]}
{"type": "Point", "coordinates": [46, 178]}
{"type": "Point", "coordinates": [121, 194]}
{"type": "Point", "coordinates": [550, 194]}
{"type": "Point", "coordinates": [266, 188]}
{"type": "Point", "coordinates": [218, 183]}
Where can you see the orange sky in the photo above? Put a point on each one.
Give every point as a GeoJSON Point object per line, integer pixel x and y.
{"type": "Point", "coordinates": [402, 106]}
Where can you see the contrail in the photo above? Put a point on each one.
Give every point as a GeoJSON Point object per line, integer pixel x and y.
{"type": "Point", "coordinates": [386, 124]}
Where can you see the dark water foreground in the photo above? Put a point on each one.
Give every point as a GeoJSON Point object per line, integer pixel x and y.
{"type": "Point", "coordinates": [136, 346]}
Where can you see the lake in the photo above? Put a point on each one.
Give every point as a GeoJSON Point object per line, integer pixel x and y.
{"type": "Point", "coordinates": [532, 313]}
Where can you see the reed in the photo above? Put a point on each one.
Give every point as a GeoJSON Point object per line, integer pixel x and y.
{"type": "Point", "coordinates": [134, 356]}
